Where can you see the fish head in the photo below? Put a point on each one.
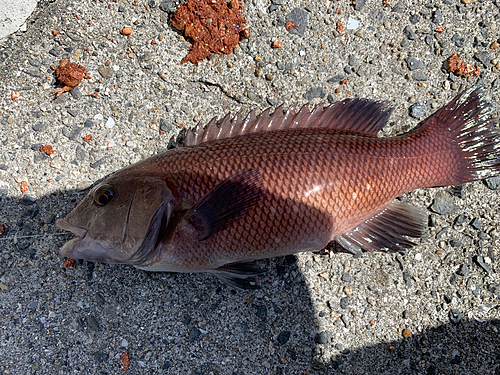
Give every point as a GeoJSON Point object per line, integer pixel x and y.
{"type": "Point", "coordinates": [119, 221]}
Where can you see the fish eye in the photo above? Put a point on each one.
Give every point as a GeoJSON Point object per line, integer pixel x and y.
{"type": "Point", "coordinates": [103, 196]}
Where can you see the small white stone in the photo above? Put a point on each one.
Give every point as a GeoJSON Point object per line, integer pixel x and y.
{"type": "Point", "coordinates": [418, 256]}
{"type": "Point", "coordinates": [98, 117]}
{"type": "Point", "coordinates": [110, 123]}
{"type": "Point", "coordinates": [56, 163]}
{"type": "Point", "coordinates": [352, 24]}
{"type": "Point", "coordinates": [116, 68]}
{"type": "Point", "coordinates": [124, 343]}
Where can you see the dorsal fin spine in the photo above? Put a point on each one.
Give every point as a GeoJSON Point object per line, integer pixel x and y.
{"type": "Point", "coordinates": [356, 115]}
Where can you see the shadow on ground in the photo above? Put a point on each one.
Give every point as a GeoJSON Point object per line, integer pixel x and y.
{"type": "Point", "coordinates": [81, 319]}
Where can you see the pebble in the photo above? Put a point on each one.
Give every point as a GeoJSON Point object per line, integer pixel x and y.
{"type": "Point", "coordinates": [443, 205]}
{"type": "Point", "coordinates": [74, 134]}
{"type": "Point", "coordinates": [458, 40]}
{"type": "Point", "coordinates": [72, 112]}
{"type": "Point", "coordinates": [93, 324]}
{"type": "Point", "coordinates": [56, 163]}
{"type": "Point", "coordinates": [418, 110]}
{"type": "Point", "coordinates": [101, 357]}
{"type": "Point", "coordinates": [110, 123]}
{"type": "Point", "coordinates": [124, 343]}
{"type": "Point", "coordinates": [455, 316]}
{"type": "Point", "coordinates": [346, 277]}
{"type": "Point", "coordinates": [344, 302]}
{"type": "Point", "coordinates": [437, 16]}
{"type": "Point", "coordinates": [272, 101]}
{"type": "Point", "coordinates": [168, 6]}
{"type": "Point", "coordinates": [494, 288]}
{"type": "Point", "coordinates": [453, 281]}
{"type": "Point", "coordinates": [419, 76]}
{"type": "Point", "coordinates": [352, 61]}
{"type": "Point", "coordinates": [409, 33]}
{"type": "Point", "coordinates": [194, 334]}
{"type": "Point", "coordinates": [345, 320]}
{"type": "Point", "coordinates": [493, 183]}
{"type": "Point", "coordinates": [352, 24]}
{"type": "Point", "coordinates": [283, 337]}
{"type": "Point", "coordinates": [165, 125]}
{"type": "Point", "coordinates": [39, 126]}
{"type": "Point", "coordinates": [463, 270]}
{"type": "Point", "coordinates": [484, 57]}
{"type": "Point", "coordinates": [300, 18]}
{"type": "Point", "coordinates": [80, 153]}
{"type": "Point", "coordinates": [418, 256]}
{"type": "Point", "coordinates": [261, 312]}
{"type": "Point", "coordinates": [398, 8]}
{"type": "Point", "coordinates": [461, 219]}
{"type": "Point", "coordinates": [323, 337]}
{"type": "Point", "coordinates": [407, 278]}
{"type": "Point", "coordinates": [315, 92]}
{"type": "Point", "coordinates": [359, 4]}
{"type": "Point", "coordinates": [406, 333]}
{"type": "Point", "coordinates": [480, 261]}
{"type": "Point", "coordinates": [414, 64]}
{"type": "Point", "coordinates": [414, 19]}
{"type": "Point", "coordinates": [105, 72]}
{"type": "Point", "coordinates": [476, 224]}
{"type": "Point", "coordinates": [76, 93]}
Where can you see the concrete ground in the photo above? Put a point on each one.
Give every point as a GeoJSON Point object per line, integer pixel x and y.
{"type": "Point", "coordinates": [433, 310]}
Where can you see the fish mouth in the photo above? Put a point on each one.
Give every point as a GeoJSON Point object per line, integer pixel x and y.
{"type": "Point", "coordinates": [67, 249]}
{"type": "Point", "coordinates": [64, 225]}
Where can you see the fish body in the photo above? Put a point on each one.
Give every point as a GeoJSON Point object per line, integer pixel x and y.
{"type": "Point", "coordinates": [274, 185]}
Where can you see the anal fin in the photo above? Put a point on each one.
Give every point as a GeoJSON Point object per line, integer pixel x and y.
{"type": "Point", "coordinates": [386, 231]}
{"type": "Point", "coordinates": [240, 275]}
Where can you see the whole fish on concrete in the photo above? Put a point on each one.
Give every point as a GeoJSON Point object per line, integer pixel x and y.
{"type": "Point", "coordinates": [276, 184]}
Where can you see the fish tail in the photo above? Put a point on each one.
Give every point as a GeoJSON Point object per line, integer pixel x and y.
{"type": "Point", "coordinates": [462, 139]}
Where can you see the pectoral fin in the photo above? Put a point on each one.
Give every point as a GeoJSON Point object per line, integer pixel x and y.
{"type": "Point", "coordinates": [386, 231]}
{"type": "Point", "coordinates": [225, 203]}
{"type": "Point", "coordinates": [240, 275]}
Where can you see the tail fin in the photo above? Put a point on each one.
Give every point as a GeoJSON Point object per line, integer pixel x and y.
{"type": "Point", "coordinates": [467, 124]}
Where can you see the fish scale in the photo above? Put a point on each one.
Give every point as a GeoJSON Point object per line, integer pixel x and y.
{"type": "Point", "coordinates": [282, 183]}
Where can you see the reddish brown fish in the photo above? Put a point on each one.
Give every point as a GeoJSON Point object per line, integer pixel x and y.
{"type": "Point", "coordinates": [279, 184]}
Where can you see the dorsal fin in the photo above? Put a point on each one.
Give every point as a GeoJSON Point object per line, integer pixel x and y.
{"type": "Point", "coordinates": [355, 115]}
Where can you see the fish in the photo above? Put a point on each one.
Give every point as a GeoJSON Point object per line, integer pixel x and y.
{"type": "Point", "coordinates": [243, 189]}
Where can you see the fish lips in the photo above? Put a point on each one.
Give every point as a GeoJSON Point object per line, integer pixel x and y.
{"type": "Point", "coordinates": [64, 225]}
{"type": "Point", "coordinates": [82, 247]}
{"type": "Point", "coordinates": [68, 249]}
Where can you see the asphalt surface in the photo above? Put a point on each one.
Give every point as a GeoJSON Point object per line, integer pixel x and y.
{"type": "Point", "coordinates": [432, 310]}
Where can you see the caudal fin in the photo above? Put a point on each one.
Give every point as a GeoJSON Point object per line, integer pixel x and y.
{"type": "Point", "coordinates": [465, 127]}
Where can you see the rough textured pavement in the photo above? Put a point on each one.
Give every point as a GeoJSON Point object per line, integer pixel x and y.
{"type": "Point", "coordinates": [434, 310]}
